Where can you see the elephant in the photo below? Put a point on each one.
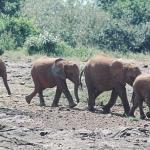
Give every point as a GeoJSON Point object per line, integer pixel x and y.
{"type": "Point", "coordinates": [103, 73]}
{"type": "Point", "coordinates": [50, 72]}
{"type": "Point", "coordinates": [141, 91]}
{"type": "Point", "coordinates": [3, 74]}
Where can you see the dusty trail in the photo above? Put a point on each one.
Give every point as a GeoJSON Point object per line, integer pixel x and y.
{"type": "Point", "coordinates": [32, 127]}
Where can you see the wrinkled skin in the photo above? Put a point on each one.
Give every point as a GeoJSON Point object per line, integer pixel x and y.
{"type": "Point", "coordinates": [104, 74]}
{"type": "Point", "coordinates": [3, 74]}
{"type": "Point", "coordinates": [141, 90]}
{"type": "Point", "coordinates": [51, 72]}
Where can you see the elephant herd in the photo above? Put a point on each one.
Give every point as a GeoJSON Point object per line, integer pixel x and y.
{"type": "Point", "coordinates": [102, 73]}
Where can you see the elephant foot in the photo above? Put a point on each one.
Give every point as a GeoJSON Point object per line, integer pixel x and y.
{"type": "Point", "coordinates": [127, 114]}
{"type": "Point", "coordinates": [131, 115]}
{"type": "Point", "coordinates": [148, 114]}
{"type": "Point", "coordinates": [142, 117]}
{"type": "Point", "coordinates": [92, 109]}
{"type": "Point", "coordinates": [54, 105]}
{"type": "Point", "coordinates": [42, 104]}
{"type": "Point", "coordinates": [72, 105]}
{"type": "Point", "coordinates": [28, 99]}
{"type": "Point", "coordinates": [106, 110]}
{"type": "Point", "coordinates": [9, 93]}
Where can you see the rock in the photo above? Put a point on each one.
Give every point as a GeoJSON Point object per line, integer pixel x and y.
{"type": "Point", "coordinates": [43, 133]}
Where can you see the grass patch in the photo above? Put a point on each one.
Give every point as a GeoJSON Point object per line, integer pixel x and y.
{"type": "Point", "coordinates": [82, 54]}
{"type": "Point", "coordinates": [134, 119]}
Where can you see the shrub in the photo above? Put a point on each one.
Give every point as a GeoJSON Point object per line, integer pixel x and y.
{"type": "Point", "coordinates": [10, 7]}
{"type": "Point", "coordinates": [33, 45]}
{"type": "Point", "coordinates": [7, 42]}
{"type": "Point", "coordinates": [44, 43]}
{"type": "Point", "coordinates": [116, 38]}
{"type": "Point", "coordinates": [20, 28]}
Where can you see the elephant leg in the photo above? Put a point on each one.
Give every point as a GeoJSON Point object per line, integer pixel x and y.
{"type": "Point", "coordinates": [42, 103]}
{"type": "Point", "coordinates": [112, 101]}
{"type": "Point", "coordinates": [63, 87]}
{"type": "Point", "coordinates": [91, 101]}
{"type": "Point", "coordinates": [142, 115]}
{"type": "Point", "coordinates": [56, 98]}
{"type": "Point", "coordinates": [29, 97]}
{"type": "Point", "coordinates": [148, 104]}
{"type": "Point", "coordinates": [135, 105]}
{"type": "Point", "coordinates": [121, 90]}
{"type": "Point", "coordinates": [92, 95]}
{"type": "Point", "coordinates": [133, 97]}
{"type": "Point", "coordinates": [6, 84]}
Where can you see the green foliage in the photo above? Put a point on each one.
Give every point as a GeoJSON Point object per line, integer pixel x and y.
{"type": "Point", "coordinates": [44, 43]}
{"type": "Point", "coordinates": [133, 11]}
{"type": "Point", "coordinates": [116, 37]}
{"type": "Point", "coordinates": [10, 7]}
{"type": "Point", "coordinates": [14, 29]}
{"type": "Point", "coordinates": [109, 24]}
{"type": "Point", "coordinates": [117, 25]}
{"type": "Point", "coordinates": [7, 41]}
{"type": "Point", "coordinates": [20, 28]}
{"type": "Point", "coordinates": [75, 23]}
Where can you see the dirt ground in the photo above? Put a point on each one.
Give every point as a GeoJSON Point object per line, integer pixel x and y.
{"type": "Point", "coordinates": [32, 127]}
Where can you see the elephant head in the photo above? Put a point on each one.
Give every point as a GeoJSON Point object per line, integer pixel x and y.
{"type": "Point", "coordinates": [64, 69]}
{"type": "Point", "coordinates": [124, 72]}
{"type": "Point", "coordinates": [131, 72]}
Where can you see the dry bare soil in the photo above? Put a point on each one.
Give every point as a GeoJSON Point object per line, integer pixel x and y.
{"type": "Point", "coordinates": [32, 127]}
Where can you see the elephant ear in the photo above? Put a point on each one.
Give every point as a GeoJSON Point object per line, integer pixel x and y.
{"type": "Point", "coordinates": [117, 71]}
{"type": "Point", "coordinates": [58, 69]}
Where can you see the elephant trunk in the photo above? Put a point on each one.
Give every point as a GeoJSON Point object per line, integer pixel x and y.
{"type": "Point", "coordinates": [76, 92]}
{"type": "Point", "coordinates": [6, 84]}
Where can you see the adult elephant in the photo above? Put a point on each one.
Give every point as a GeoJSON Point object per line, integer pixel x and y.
{"type": "Point", "coordinates": [51, 72]}
{"type": "Point", "coordinates": [3, 74]}
{"type": "Point", "coordinates": [103, 73]}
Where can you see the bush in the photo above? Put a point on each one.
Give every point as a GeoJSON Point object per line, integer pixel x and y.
{"type": "Point", "coordinates": [7, 41]}
{"type": "Point", "coordinates": [44, 43]}
{"type": "Point", "coordinates": [10, 7]}
{"type": "Point", "coordinates": [33, 45]}
{"type": "Point", "coordinates": [116, 38]}
{"type": "Point", "coordinates": [20, 28]}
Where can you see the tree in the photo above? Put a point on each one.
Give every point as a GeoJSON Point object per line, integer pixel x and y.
{"type": "Point", "coordinates": [10, 7]}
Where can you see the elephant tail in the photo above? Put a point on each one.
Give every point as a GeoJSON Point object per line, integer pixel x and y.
{"type": "Point", "coordinates": [80, 78]}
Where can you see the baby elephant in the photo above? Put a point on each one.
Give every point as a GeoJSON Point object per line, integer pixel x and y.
{"type": "Point", "coordinates": [103, 73]}
{"type": "Point", "coordinates": [3, 74]}
{"type": "Point", "coordinates": [141, 90]}
{"type": "Point", "coordinates": [51, 72]}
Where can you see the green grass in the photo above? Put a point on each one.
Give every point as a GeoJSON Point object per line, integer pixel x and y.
{"type": "Point", "coordinates": [82, 54]}
{"type": "Point", "coordinates": [134, 119]}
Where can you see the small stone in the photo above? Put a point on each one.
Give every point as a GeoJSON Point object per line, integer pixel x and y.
{"type": "Point", "coordinates": [145, 141]}
{"type": "Point", "coordinates": [146, 125]}
{"type": "Point", "coordinates": [43, 133]}
{"type": "Point", "coordinates": [22, 83]}
{"type": "Point", "coordinates": [145, 66]}
{"type": "Point", "coordinates": [59, 116]}
{"type": "Point", "coordinates": [61, 129]}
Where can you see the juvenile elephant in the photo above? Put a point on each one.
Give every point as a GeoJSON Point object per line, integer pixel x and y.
{"type": "Point", "coordinates": [51, 72]}
{"type": "Point", "coordinates": [3, 74]}
{"type": "Point", "coordinates": [103, 73]}
{"type": "Point", "coordinates": [141, 89]}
